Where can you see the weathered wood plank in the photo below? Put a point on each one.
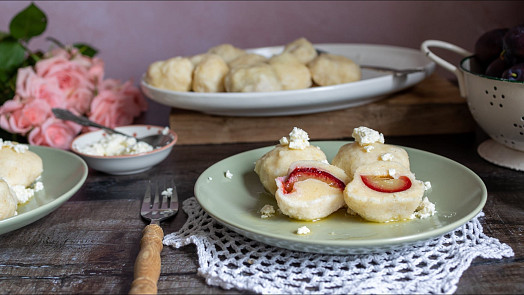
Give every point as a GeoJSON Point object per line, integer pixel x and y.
{"type": "Point", "coordinates": [432, 107]}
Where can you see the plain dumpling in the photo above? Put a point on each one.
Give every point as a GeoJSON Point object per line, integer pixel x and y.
{"type": "Point", "coordinates": [209, 74]}
{"type": "Point", "coordinates": [256, 78]}
{"type": "Point", "coordinates": [19, 168]}
{"type": "Point", "coordinates": [290, 71]}
{"type": "Point", "coordinates": [228, 52]}
{"type": "Point", "coordinates": [8, 201]}
{"type": "Point", "coordinates": [247, 59]}
{"type": "Point", "coordinates": [302, 49]}
{"type": "Point", "coordinates": [173, 74]}
{"type": "Point", "coordinates": [330, 69]}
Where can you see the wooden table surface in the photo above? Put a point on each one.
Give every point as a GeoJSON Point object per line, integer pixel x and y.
{"type": "Point", "coordinates": [89, 244]}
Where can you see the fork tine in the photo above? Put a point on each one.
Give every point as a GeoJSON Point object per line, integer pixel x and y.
{"type": "Point", "coordinates": [147, 202]}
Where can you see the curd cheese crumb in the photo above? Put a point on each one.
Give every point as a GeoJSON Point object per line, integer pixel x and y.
{"type": "Point", "coordinates": [298, 139]}
{"type": "Point", "coordinates": [424, 210]}
{"type": "Point", "coordinates": [303, 230]}
{"type": "Point", "coordinates": [167, 192]}
{"type": "Point", "coordinates": [369, 148]}
{"type": "Point", "coordinates": [365, 136]}
{"type": "Point", "coordinates": [17, 147]}
{"type": "Point", "coordinates": [115, 145]}
{"type": "Point", "coordinates": [267, 211]}
{"type": "Point", "coordinates": [392, 172]}
{"type": "Point", "coordinates": [284, 141]}
{"type": "Point", "coordinates": [165, 131]}
{"type": "Point", "coordinates": [386, 157]}
{"type": "Point", "coordinates": [427, 185]}
{"type": "Point", "coordinates": [228, 174]}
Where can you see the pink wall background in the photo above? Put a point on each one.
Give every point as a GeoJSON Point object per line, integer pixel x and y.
{"type": "Point", "coordinates": [132, 34]}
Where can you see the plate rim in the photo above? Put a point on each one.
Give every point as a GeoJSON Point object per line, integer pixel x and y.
{"type": "Point", "coordinates": [25, 218]}
{"type": "Point", "coordinates": [355, 244]}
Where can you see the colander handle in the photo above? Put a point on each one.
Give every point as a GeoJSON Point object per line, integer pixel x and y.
{"type": "Point", "coordinates": [445, 64]}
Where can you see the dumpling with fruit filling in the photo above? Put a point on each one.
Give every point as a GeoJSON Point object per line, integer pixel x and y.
{"type": "Point", "coordinates": [8, 201]}
{"type": "Point", "coordinates": [311, 190]}
{"type": "Point", "coordinates": [352, 155]}
{"type": "Point", "coordinates": [276, 162]}
{"type": "Point", "coordinates": [368, 147]}
{"type": "Point", "coordinates": [384, 191]}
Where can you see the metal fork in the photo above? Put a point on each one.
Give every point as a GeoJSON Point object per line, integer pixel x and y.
{"type": "Point", "coordinates": [156, 208]}
{"type": "Point", "coordinates": [395, 72]}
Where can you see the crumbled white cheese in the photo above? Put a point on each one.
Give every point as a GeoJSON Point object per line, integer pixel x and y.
{"type": "Point", "coordinates": [365, 136]}
{"type": "Point", "coordinates": [386, 157]}
{"type": "Point", "coordinates": [298, 139]}
{"type": "Point", "coordinates": [115, 145]}
{"type": "Point", "coordinates": [392, 172]}
{"type": "Point", "coordinates": [304, 230]}
{"type": "Point", "coordinates": [424, 210]}
{"type": "Point", "coordinates": [267, 211]}
{"type": "Point", "coordinates": [427, 185]}
{"type": "Point", "coordinates": [168, 192]}
{"type": "Point", "coordinates": [369, 148]}
{"type": "Point", "coordinates": [38, 186]}
{"type": "Point", "coordinates": [228, 174]}
{"type": "Point", "coordinates": [17, 147]}
{"type": "Point", "coordinates": [284, 141]}
{"type": "Point", "coordinates": [165, 131]}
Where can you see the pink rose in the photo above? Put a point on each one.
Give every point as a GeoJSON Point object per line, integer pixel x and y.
{"type": "Point", "coordinates": [12, 118]}
{"type": "Point", "coordinates": [79, 101]}
{"type": "Point", "coordinates": [70, 76]}
{"type": "Point", "coordinates": [117, 104]}
{"type": "Point", "coordinates": [24, 79]}
{"type": "Point", "coordinates": [29, 86]}
{"type": "Point", "coordinates": [36, 111]}
{"type": "Point", "coordinates": [54, 133]}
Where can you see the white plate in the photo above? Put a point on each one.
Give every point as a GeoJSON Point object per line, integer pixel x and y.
{"type": "Point", "coordinates": [373, 86]}
{"type": "Point", "coordinates": [64, 174]}
{"type": "Point", "coordinates": [457, 192]}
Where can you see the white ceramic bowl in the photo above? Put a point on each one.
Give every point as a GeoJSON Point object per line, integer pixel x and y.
{"type": "Point", "coordinates": [125, 164]}
{"type": "Point", "coordinates": [497, 105]}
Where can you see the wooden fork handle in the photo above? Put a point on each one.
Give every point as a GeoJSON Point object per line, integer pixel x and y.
{"type": "Point", "coordinates": [147, 264]}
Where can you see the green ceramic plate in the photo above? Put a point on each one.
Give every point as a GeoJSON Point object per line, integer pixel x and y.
{"type": "Point", "coordinates": [64, 174]}
{"type": "Point", "coordinates": [457, 192]}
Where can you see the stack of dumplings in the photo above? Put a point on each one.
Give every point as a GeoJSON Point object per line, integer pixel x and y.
{"type": "Point", "coordinates": [226, 68]}
{"type": "Point", "coordinates": [368, 177]}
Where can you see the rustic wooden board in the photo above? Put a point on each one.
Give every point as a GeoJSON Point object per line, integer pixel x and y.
{"type": "Point", "coordinates": [434, 106]}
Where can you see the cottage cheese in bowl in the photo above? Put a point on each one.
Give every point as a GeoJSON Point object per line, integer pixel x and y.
{"type": "Point", "coordinates": [116, 145]}
{"type": "Point", "coordinates": [119, 155]}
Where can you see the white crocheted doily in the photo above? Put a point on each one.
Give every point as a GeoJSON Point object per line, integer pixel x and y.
{"type": "Point", "coordinates": [230, 260]}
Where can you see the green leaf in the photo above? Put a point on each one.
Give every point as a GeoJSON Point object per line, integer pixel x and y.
{"type": "Point", "coordinates": [3, 35]}
{"type": "Point", "coordinates": [12, 54]}
{"type": "Point", "coordinates": [85, 49]}
{"type": "Point", "coordinates": [28, 23]}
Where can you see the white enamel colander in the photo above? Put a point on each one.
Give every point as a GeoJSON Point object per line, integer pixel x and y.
{"type": "Point", "coordinates": [497, 105]}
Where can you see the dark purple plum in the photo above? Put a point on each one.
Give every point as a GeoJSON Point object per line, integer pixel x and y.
{"type": "Point", "coordinates": [496, 68]}
{"type": "Point", "coordinates": [515, 73]}
{"type": "Point", "coordinates": [489, 45]}
{"type": "Point", "coordinates": [513, 44]}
